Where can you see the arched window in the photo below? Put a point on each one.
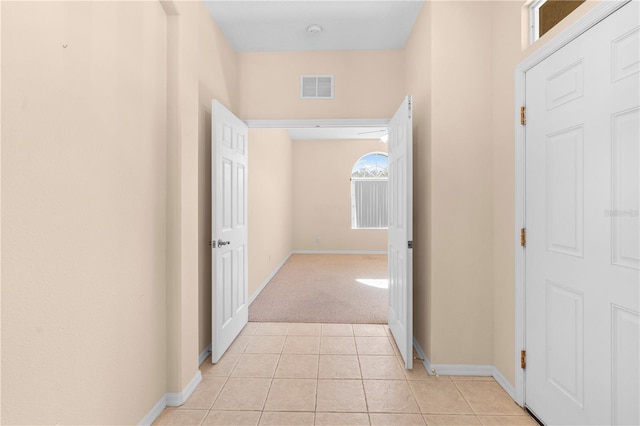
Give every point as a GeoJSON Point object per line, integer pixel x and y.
{"type": "Point", "coordinates": [369, 192]}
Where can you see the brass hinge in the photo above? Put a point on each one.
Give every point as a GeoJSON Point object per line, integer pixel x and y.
{"type": "Point", "coordinates": [523, 118]}
{"type": "Point", "coordinates": [523, 359]}
{"type": "Point", "coordinates": [523, 237]}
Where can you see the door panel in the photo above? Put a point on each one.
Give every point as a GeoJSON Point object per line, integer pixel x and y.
{"type": "Point", "coordinates": [229, 228]}
{"type": "Point", "coordinates": [583, 237]}
{"type": "Point", "coordinates": [400, 231]}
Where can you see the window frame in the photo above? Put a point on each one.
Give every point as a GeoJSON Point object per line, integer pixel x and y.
{"type": "Point", "coordinates": [534, 19]}
{"type": "Point", "coordinates": [354, 179]}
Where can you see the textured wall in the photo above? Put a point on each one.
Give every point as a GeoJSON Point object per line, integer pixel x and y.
{"type": "Point", "coordinates": [83, 188]}
{"type": "Point", "coordinates": [322, 196]}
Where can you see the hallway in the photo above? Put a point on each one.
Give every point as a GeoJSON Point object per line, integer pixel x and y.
{"type": "Point", "coordinates": [334, 374]}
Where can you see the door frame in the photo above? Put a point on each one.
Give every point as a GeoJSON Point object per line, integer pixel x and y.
{"type": "Point", "coordinates": [590, 19]}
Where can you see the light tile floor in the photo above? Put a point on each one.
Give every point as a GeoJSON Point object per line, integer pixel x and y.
{"type": "Point", "coordinates": [334, 374]}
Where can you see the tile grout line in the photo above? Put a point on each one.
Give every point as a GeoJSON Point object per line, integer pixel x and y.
{"type": "Point", "coordinates": [467, 402]}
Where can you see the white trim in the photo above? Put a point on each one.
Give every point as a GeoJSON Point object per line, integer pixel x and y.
{"type": "Point", "coordinates": [534, 19]}
{"type": "Point", "coordinates": [339, 252]}
{"type": "Point", "coordinates": [597, 14]}
{"type": "Point", "coordinates": [176, 399]}
{"type": "Point", "coordinates": [155, 412]}
{"type": "Point", "coordinates": [480, 370]}
{"type": "Point", "coordinates": [268, 279]}
{"type": "Point", "coordinates": [465, 370]}
{"type": "Point", "coordinates": [303, 124]}
{"type": "Point", "coordinates": [504, 383]}
{"type": "Point", "coordinates": [591, 18]}
{"type": "Point", "coordinates": [421, 354]}
{"type": "Point", "coordinates": [171, 400]}
{"type": "Point", "coordinates": [204, 354]}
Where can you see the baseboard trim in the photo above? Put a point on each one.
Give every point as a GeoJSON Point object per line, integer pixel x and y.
{"type": "Point", "coordinates": [502, 381]}
{"type": "Point", "coordinates": [268, 279]}
{"type": "Point", "coordinates": [465, 370]}
{"type": "Point", "coordinates": [176, 399]}
{"type": "Point", "coordinates": [462, 369]}
{"type": "Point", "coordinates": [204, 354]}
{"type": "Point", "coordinates": [421, 354]}
{"type": "Point", "coordinates": [339, 252]}
{"type": "Point", "coordinates": [155, 412]}
{"type": "Point", "coordinates": [171, 400]}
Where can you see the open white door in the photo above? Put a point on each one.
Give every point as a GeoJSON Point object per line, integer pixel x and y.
{"type": "Point", "coordinates": [400, 234]}
{"type": "Point", "coordinates": [229, 228]}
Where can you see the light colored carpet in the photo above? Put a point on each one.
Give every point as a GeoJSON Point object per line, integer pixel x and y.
{"type": "Point", "coordinates": [325, 288]}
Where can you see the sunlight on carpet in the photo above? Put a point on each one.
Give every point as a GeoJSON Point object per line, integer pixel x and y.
{"type": "Point", "coordinates": [326, 288]}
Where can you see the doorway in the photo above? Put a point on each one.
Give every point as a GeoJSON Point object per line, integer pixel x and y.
{"type": "Point", "coordinates": [400, 228]}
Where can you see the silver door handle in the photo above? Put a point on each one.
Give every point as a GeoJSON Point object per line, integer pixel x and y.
{"type": "Point", "coordinates": [223, 243]}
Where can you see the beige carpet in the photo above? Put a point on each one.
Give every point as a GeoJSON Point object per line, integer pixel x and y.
{"type": "Point", "coordinates": [325, 288]}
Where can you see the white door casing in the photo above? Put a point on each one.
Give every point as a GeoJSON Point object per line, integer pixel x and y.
{"type": "Point", "coordinates": [229, 228]}
{"type": "Point", "coordinates": [582, 252]}
{"type": "Point", "coordinates": [400, 232]}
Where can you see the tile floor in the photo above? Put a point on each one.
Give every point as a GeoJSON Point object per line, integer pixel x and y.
{"type": "Point", "coordinates": [334, 374]}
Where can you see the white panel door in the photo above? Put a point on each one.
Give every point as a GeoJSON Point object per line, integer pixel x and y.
{"type": "Point", "coordinates": [229, 228]}
{"type": "Point", "coordinates": [400, 233]}
{"type": "Point", "coordinates": [583, 237]}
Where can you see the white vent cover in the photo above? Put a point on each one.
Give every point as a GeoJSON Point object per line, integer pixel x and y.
{"type": "Point", "coordinates": [316, 87]}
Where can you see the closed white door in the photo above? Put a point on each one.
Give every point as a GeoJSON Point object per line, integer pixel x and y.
{"type": "Point", "coordinates": [583, 237]}
{"type": "Point", "coordinates": [400, 233]}
{"type": "Point", "coordinates": [229, 228]}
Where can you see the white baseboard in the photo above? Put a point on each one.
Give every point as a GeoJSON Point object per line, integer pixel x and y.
{"type": "Point", "coordinates": [339, 252]}
{"type": "Point", "coordinates": [508, 387]}
{"type": "Point", "coordinates": [171, 399]}
{"type": "Point", "coordinates": [155, 412]}
{"type": "Point", "coordinates": [421, 354]}
{"type": "Point", "coordinates": [461, 369]}
{"type": "Point", "coordinates": [269, 278]}
{"type": "Point", "coordinates": [204, 354]}
{"type": "Point", "coordinates": [176, 399]}
{"type": "Point", "coordinates": [466, 370]}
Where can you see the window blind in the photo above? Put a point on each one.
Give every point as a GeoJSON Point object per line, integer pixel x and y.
{"type": "Point", "coordinates": [369, 203]}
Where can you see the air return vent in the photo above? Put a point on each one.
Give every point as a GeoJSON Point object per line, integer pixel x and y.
{"type": "Point", "coordinates": [316, 87]}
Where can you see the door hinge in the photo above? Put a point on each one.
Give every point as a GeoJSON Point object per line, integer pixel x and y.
{"type": "Point", "coordinates": [523, 118]}
{"type": "Point", "coordinates": [523, 359]}
{"type": "Point", "coordinates": [410, 245]}
{"type": "Point", "coordinates": [523, 237]}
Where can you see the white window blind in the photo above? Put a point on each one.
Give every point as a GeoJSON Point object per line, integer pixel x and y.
{"type": "Point", "coordinates": [369, 203]}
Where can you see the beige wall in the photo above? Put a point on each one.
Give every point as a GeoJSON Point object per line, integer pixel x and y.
{"type": "Point", "coordinates": [506, 51]}
{"type": "Point", "coordinates": [453, 216]}
{"type": "Point", "coordinates": [461, 70]}
{"type": "Point", "coordinates": [368, 84]}
{"type": "Point", "coordinates": [83, 220]}
{"type": "Point", "coordinates": [113, 183]}
{"type": "Point", "coordinates": [322, 196]}
{"type": "Point", "coordinates": [270, 201]}
{"type": "Point", "coordinates": [509, 19]}
{"type": "Point", "coordinates": [217, 79]}
{"type": "Point", "coordinates": [106, 203]}
{"type": "Point", "coordinates": [461, 164]}
{"type": "Point", "coordinates": [418, 83]}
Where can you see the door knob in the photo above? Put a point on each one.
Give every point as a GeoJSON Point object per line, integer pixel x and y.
{"type": "Point", "coordinates": [223, 243]}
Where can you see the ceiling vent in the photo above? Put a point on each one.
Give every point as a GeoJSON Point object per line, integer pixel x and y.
{"type": "Point", "coordinates": [316, 87]}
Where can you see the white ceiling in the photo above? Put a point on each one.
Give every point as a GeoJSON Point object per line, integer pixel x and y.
{"type": "Point", "coordinates": [274, 25]}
